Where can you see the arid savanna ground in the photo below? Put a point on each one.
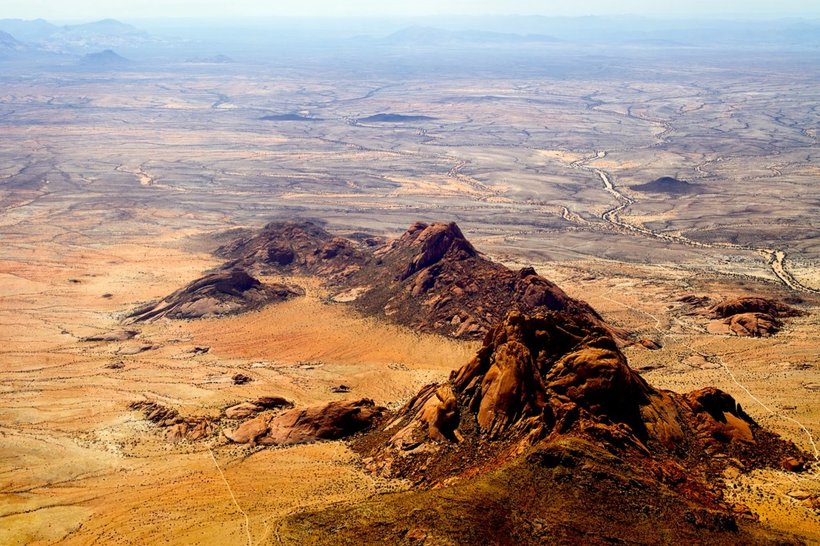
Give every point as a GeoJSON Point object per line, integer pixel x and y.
{"type": "Point", "coordinates": [115, 186]}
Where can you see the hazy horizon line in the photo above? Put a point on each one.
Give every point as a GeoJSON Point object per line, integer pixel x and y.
{"type": "Point", "coordinates": [703, 18]}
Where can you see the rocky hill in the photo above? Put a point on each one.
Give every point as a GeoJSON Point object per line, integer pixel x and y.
{"type": "Point", "coordinates": [431, 278]}
{"type": "Point", "coordinates": [223, 293]}
{"type": "Point", "coordinates": [546, 436]}
{"type": "Point", "coordinates": [106, 59]}
{"type": "Point", "coordinates": [549, 435]}
{"type": "Point", "coordinates": [668, 185]}
{"type": "Point", "coordinates": [538, 377]}
{"type": "Point", "coordinates": [299, 247]}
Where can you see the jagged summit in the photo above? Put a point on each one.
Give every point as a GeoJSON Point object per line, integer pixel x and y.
{"type": "Point", "coordinates": [425, 245]}
{"type": "Point", "coordinates": [435, 280]}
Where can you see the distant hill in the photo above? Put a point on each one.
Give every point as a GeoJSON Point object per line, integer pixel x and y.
{"type": "Point", "coordinates": [28, 31]}
{"type": "Point", "coordinates": [437, 37]}
{"type": "Point", "coordinates": [653, 42]}
{"type": "Point", "coordinates": [104, 26]}
{"type": "Point", "coordinates": [7, 40]}
{"type": "Point", "coordinates": [106, 59]}
{"type": "Point", "coordinates": [670, 185]}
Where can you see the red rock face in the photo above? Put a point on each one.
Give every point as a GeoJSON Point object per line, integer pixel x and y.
{"type": "Point", "coordinates": [749, 316]}
{"type": "Point", "coordinates": [431, 244]}
{"type": "Point", "coordinates": [539, 371]}
{"type": "Point", "coordinates": [301, 425]}
{"type": "Point", "coordinates": [177, 428]}
{"type": "Point", "coordinates": [258, 425]}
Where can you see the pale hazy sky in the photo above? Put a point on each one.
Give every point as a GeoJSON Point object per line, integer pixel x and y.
{"type": "Point", "coordinates": [98, 9]}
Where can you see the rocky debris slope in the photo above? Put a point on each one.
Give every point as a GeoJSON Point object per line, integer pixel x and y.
{"type": "Point", "coordinates": [222, 293]}
{"type": "Point", "coordinates": [431, 278]}
{"type": "Point", "coordinates": [569, 492]}
{"type": "Point", "coordinates": [540, 378]}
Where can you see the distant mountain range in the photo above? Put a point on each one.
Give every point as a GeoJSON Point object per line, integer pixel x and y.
{"type": "Point", "coordinates": [75, 39]}
{"type": "Point", "coordinates": [198, 41]}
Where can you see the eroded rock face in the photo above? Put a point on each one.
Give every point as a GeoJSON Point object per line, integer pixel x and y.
{"type": "Point", "coordinates": [301, 425]}
{"type": "Point", "coordinates": [429, 244]}
{"type": "Point", "coordinates": [262, 422]}
{"type": "Point", "coordinates": [719, 417]}
{"type": "Point", "coordinates": [216, 294]}
{"type": "Point", "coordinates": [536, 371]}
{"type": "Point", "coordinates": [177, 427]}
{"type": "Point", "coordinates": [749, 316]}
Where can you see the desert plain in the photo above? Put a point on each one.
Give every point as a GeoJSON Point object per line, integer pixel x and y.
{"type": "Point", "coordinates": [116, 186]}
